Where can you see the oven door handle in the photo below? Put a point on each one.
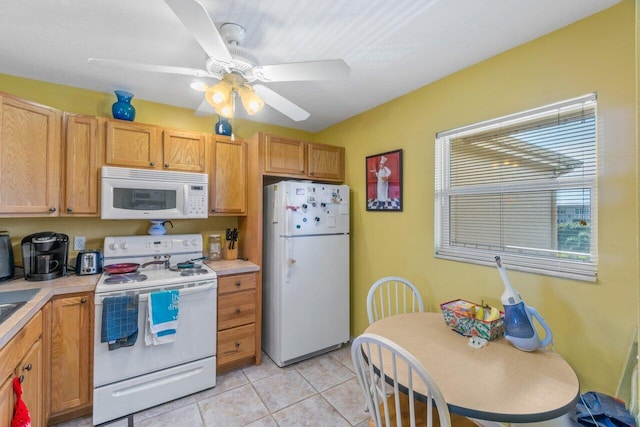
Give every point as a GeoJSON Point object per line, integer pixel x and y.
{"type": "Point", "coordinates": [183, 291]}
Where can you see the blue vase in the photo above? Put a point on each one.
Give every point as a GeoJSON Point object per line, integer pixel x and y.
{"type": "Point", "coordinates": [223, 127]}
{"type": "Point", "coordinates": [122, 108]}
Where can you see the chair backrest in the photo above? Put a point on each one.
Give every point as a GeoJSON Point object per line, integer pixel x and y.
{"type": "Point", "coordinates": [403, 374]}
{"type": "Point", "coordinates": [392, 295]}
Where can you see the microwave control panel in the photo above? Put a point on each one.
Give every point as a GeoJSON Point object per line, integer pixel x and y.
{"type": "Point", "coordinates": [197, 201]}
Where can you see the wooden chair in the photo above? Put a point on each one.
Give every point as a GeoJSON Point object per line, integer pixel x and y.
{"type": "Point", "coordinates": [404, 374]}
{"type": "Point", "coordinates": [392, 295]}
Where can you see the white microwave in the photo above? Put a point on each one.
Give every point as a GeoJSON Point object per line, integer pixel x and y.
{"type": "Point", "coordinates": [148, 194]}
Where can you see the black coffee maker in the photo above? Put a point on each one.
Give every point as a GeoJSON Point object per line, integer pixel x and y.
{"type": "Point", "coordinates": [45, 255]}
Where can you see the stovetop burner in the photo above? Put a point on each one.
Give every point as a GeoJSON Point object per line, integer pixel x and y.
{"type": "Point", "coordinates": [193, 271]}
{"type": "Point", "coordinates": [118, 279]}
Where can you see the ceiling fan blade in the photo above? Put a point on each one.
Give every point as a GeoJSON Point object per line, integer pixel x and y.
{"type": "Point", "coordinates": [299, 71]}
{"type": "Point", "coordinates": [205, 109]}
{"type": "Point", "coordinates": [148, 67]}
{"type": "Point", "coordinates": [281, 103]}
{"type": "Point", "coordinates": [195, 17]}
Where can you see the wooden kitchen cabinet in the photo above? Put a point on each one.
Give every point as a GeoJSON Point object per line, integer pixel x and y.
{"type": "Point", "coordinates": [82, 142]}
{"type": "Point", "coordinates": [133, 145]}
{"type": "Point", "coordinates": [138, 145]}
{"type": "Point", "coordinates": [71, 356]}
{"type": "Point", "coordinates": [292, 158]}
{"type": "Point", "coordinates": [236, 338]}
{"type": "Point", "coordinates": [228, 176]}
{"type": "Point", "coordinates": [325, 162]}
{"type": "Point", "coordinates": [29, 158]}
{"type": "Point", "coordinates": [183, 150]}
{"type": "Point", "coordinates": [23, 357]}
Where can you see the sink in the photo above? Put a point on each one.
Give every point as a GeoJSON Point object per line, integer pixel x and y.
{"type": "Point", "coordinates": [23, 295]}
{"type": "Point", "coordinates": [7, 309]}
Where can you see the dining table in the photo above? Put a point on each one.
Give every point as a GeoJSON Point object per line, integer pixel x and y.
{"type": "Point", "coordinates": [496, 382]}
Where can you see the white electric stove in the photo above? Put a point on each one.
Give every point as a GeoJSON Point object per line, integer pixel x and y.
{"type": "Point", "coordinates": [130, 379]}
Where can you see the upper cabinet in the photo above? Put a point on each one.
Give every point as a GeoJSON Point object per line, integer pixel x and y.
{"type": "Point", "coordinates": [150, 147]}
{"type": "Point", "coordinates": [228, 176]}
{"type": "Point", "coordinates": [295, 158]}
{"type": "Point", "coordinates": [82, 139]}
{"type": "Point", "coordinates": [325, 162]}
{"type": "Point", "coordinates": [184, 150]}
{"type": "Point", "coordinates": [30, 145]}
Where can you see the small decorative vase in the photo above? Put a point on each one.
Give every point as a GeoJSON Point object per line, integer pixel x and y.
{"type": "Point", "coordinates": [223, 127]}
{"type": "Point", "coordinates": [122, 108]}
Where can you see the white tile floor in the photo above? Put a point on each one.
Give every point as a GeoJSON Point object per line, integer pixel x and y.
{"type": "Point", "coordinates": [322, 391]}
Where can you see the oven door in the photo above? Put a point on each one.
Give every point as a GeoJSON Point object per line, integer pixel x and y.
{"type": "Point", "coordinates": [195, 336]}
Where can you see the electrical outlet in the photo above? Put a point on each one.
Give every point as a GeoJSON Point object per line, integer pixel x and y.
{"type": "Point", "coordinates": [78, 243]}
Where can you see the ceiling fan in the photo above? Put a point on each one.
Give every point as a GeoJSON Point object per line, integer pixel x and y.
{"type": "Point", "coordinates": [235, 67]}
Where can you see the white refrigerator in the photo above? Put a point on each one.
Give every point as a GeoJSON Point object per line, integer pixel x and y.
{"type": "Point", "coordinates": [305, 270]}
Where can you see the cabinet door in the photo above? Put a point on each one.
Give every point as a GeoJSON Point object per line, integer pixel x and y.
{"type": "Point", "coordinates": [82, 142]}
{"type": "Point", "coordinates": [29, 158]}
{"type": "Point", "coordinates": [71, 344]}
{"type": "Point", "coordinates": [6, 400]}
{"type": "Point", "coordinates": [228, 177]}
{"type": "Point", "coordinates": [30, 371]}
{"type": "Point", "coordinates": [325, 162]}
{"type": "Point", "coordinates": [133, 145]}
{"type": "Point", "coordinates": [184, 151]}
{"type": "Point", "coordinates": [283, 156]}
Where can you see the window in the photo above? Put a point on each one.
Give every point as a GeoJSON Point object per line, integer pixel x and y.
{"type": "Point", "coordinates": [522, 187]}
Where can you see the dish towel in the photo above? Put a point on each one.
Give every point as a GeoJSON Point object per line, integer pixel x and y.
{"type": "Point", "coordinates": [21, 417]}
{"type": "Point", "coordinates": [119, 321]}
{"type": "Point", "coordinates": [162, 323]}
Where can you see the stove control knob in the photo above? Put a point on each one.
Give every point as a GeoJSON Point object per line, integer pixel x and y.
{"type": "Point", "coordinates": [113, 246]}
{"type": "Point", "coordinates": [194, 242]}
{"type": "Point", "coordinates": [124, 245]}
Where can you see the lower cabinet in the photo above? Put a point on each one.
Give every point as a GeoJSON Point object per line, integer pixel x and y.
{"type": "Point", "coordinates": [236, 338]}
{"type": "Point", "coordinates": [71, 356]}
{"type": "Point", "coordinates": [22, 357]}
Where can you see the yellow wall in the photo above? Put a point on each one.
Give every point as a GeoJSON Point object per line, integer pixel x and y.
{"type": "Point", "coordinates": [83, 101]}
{"type": "Point", "coordinates": [592, 323]}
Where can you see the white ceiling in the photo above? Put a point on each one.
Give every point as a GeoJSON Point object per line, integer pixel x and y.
{"type": "Point", "coordinates": [392, 47]}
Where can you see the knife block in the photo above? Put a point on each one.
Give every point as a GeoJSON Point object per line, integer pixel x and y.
{"type": "Point", "coordinates": [229, 253]}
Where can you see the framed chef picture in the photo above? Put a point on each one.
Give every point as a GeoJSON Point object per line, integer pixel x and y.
{"type": "Point", "coordinates": [384, 181]}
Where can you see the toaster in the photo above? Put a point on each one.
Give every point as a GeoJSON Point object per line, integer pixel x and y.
{"type": "Point", "coordinates": [89, 262]}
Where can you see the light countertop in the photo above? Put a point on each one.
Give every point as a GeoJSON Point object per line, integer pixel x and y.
{"type": "Point", "coordinates": [72, 284]}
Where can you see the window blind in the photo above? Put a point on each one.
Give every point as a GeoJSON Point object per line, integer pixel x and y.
{"type": "Point", "coordinates": [522, 187]}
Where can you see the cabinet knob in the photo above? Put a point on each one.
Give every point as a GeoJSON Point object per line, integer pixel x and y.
{"type": "Point", "coordinates": [166, 165]}
{"type": "Point", "coordinates": [237, 345]}
{"type": "Point", "coordinates": [69, 210]}
{"type": "Point", "coordinates": [238, 283]}
{"type": "Point", "coordinates": [152, 164]}
{"type": "Point", "coordinates": [83, 300]}
{"type": "Point", "coordinates": [21, 377]}
{"type": "Point", "coordinates": [52, 209]}
{"type": "Point", "coordinates": [213, 209]}
{"type": "Point", "coordinates": [28, 367]}
{"type": "Point", "coordinates": [237, 310]}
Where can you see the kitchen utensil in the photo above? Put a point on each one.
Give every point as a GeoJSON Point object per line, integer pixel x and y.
{"type": "Point", "coordinates": [89, 262]}
{"type": "Point", "coordinates": [157, 227]}
{"type": "Point", "coordinates": [6, 257]}
{"type": "Point", "coordinates": [45, 263]}
{"type": "Point", "coordinates": [121, 268]}
{"type": "Point", "coordinates": [518, 318]}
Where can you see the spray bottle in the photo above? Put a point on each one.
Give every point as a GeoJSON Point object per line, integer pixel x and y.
{"type": "Point", "coordinates": [518, 320]}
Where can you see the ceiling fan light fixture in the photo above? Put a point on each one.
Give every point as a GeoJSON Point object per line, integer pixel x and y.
{"type": "Point", "coordinates": [250, 100]}
{"type": "Point", "coordinates": [225, 110]}
{"type": "Point", "coordinates": [218, 94]}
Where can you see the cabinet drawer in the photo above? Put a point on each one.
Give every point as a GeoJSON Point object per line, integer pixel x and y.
{"type": "Point", "coordinates": [236, 282]}
{"type": "Point", "coordinates": [237, 343]}
{"type": "Point", "coordinates": [236, 309]}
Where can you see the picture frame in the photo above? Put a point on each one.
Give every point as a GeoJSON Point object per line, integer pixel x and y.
{"type": "Point", "coordinates": [383, 177]}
